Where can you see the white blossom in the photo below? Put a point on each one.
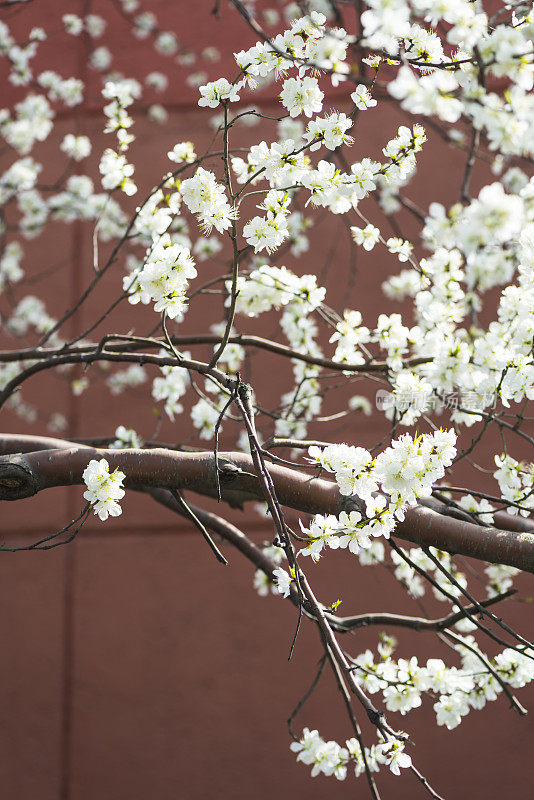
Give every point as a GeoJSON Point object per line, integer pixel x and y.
{"type": "Point", "coordinates": [104, 488]}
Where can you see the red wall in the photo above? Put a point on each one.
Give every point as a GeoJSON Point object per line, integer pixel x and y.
{"type": "Point", "coordinates": [133, 664]}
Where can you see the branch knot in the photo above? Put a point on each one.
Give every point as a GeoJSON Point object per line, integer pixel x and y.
{"type": "Point", "coordinates": [16, 480]}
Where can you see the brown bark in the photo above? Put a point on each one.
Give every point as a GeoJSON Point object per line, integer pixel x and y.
{"type": "Point", "coordinates": [25, 473]}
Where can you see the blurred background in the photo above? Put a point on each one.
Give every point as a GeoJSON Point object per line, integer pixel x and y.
{"type": "Point", "coordinates": [135, 666]}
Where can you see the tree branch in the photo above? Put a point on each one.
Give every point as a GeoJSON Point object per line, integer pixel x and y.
{"type": "Point", "coordinates": [26, 474]}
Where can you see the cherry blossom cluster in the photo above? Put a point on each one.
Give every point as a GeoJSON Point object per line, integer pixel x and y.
{"type": "Point", "coordinates": [104, 488]}
{"type": "Point", "coordinates": [468, 281]}
{"type": "Point", "coordinates": [126, 438]}
{"type": "Point", "coordinates": [165, 277]}
{"type": "Point", "coordinates": [116, 171]}
{"type": "Point", "coordinates": [458, 689]}
{"type": "Point", "coordinates": [170, 387]}
{"type": "Point", "coordinates": [403, 472]}
{"type": "Point", "coordinates": [329, 758]}
{"type": "Point", "coordinates": [206, 198]}
{"type": "Point", "coordinates": [516, 484]}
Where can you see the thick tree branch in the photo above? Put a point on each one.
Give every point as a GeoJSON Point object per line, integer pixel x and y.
{"type": "Point", "coordinates": [26, 474]}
